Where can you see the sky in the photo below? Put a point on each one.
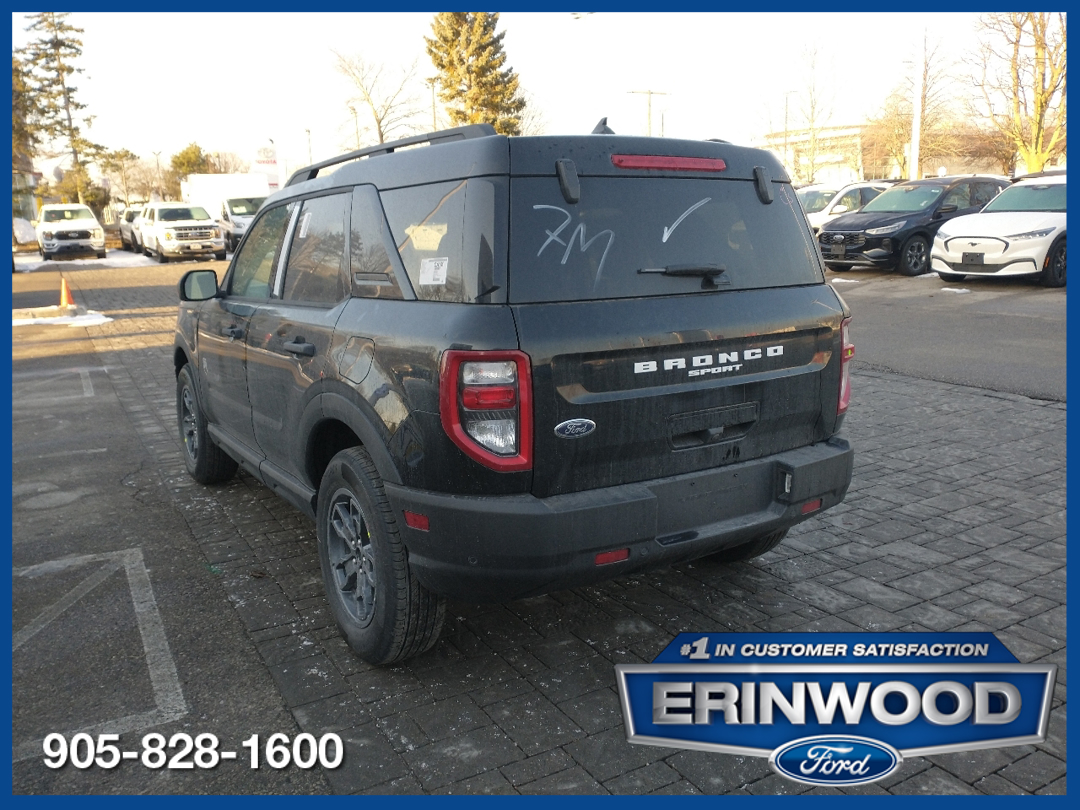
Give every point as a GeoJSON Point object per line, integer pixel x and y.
{"type": "Point", "coordinates": [234, 82]}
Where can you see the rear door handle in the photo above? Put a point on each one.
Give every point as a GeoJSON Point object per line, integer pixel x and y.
{"type": "Point", "coordinates": [233, 331]}
{"type": "Point", "coordinates": [298, 346]}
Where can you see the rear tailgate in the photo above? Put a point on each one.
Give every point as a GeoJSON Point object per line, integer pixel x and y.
{"type": "Point", "coordinates": [678, 385]}
{"type": "Point", "coordinates": [679, 307]}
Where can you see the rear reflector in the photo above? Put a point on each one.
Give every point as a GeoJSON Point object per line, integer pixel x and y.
{"type": "Point", "coordinates": [416, 521]}
{"type": "Point", "coordinates": [607, 557]}
{"type": "Point", "coordinates": [811, 506]}
{"type": "Point", "coordinates": [680, 164]}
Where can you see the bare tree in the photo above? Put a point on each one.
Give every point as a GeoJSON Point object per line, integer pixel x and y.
{"type": "Point", "coordinates": [388, 98]}
{"type": "Point", "coordinates": [532, 120]}
{"type": "Point", "coordinates": [887, 137]}
{"type": "Point", "coordinates": [1020, 73]}
{"type": "Point", "coordinates": [815, 106]}
{"type": "Point", "coordinates": [228, 163]}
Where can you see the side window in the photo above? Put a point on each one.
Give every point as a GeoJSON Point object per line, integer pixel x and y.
{"type": "Point", "coordinates": [851, 200]}
{"type": "Point", "coordinates": [427, 226]}
{"type": "Point", "coordinates": [984, 193]}
{"type": "Point", "coordinates": [375, 265]}
{"type": "Point", "coordinates": [869, 193]}
{"type": "Point", "coordinates": [253, 266]}
{"type": "Point", "coordinates": [316, 269]}
{"type": "Point", "coordinates": [959, 196]}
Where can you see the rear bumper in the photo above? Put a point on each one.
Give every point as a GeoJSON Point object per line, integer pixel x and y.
{"type": "Point", "coordinates": [514, 546]}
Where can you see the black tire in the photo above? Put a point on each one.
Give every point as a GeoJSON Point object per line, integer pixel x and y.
{"type": "Point", "coordinates": [161, 257]}
{"type": "Point", "coordinates": [101, 254]}
{"type": "Point", "coordinates": [839, 268]}
{"type": "Point", "coordinates": [146, 250]}
{"type": "Point", "coordinates": [914, 256]}
{"type": "Point", "coordinates": [220, 256]}
{"type": "Point", "coordinates": [205, 461]}
{"type": "Point", "coordinates": [754, 548]}
{"type": "Point", "coordinates": [45, 255]}
{"type": "Point", "coordinates": [123, 242]}
{"type": "Point", "coordinates": [951, 278]}
{"type": "Point", "coordinates": [1053, 275]}
{"type": "Point", "coordinates": [382, 610]}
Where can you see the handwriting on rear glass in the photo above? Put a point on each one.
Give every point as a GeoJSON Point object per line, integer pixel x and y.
{"type": "Point", "coordinates": [685, 214]}
{"type": "Point", "coordinates": [579, 234]}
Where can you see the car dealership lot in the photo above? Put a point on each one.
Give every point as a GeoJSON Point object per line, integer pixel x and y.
{"type": "Point", "coordinates": [151, 603]}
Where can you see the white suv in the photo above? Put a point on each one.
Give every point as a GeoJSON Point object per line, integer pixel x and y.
{"type": "Point", "coordinates": [177, 230]}
{"type": "Point", "coordinates": [822, 203]}
{"type": "Point", "coordinates": [69, 229]}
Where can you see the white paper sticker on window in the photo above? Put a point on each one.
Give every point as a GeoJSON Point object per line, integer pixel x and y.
{"type": "Point", "coordinates": [304, 220]}
{"type": "Point", "coordinates": [433, 271]}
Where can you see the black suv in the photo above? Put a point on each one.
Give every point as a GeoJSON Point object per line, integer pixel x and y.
{"type": "Point", "coordinates": [492, 367]}
{"type": "Point", "coordinates": [896, 228]}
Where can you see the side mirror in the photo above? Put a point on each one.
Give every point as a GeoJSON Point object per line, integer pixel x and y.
{"type": "Point", "coordinates": [840, 209]}
{"type": "Point", "coordinates": [947, 209]}
{"type": "Point", "coordinates": [198, 285]}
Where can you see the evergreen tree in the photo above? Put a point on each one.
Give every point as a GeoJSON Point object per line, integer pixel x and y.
{"type": "Point", "coordinates": [50, 67]}
{"type": "Point", "coordinates": [473, 78]}
{"type": "Point", "coordinates": [24, 135]}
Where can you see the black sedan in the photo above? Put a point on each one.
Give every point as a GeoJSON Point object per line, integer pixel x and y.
{"type": "Point", "coordinates": [896, 228]}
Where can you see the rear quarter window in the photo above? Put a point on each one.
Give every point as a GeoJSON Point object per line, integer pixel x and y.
{"type": "Point", "coordinates": [594, 249]}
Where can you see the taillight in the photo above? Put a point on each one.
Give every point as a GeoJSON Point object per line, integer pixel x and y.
{"type": "Point", "coordinates": [485, 401]}
{"type": "Point", "coordinates": [847, 352]}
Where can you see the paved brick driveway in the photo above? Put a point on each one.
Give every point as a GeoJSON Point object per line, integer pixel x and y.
{"type": "Point", "coordinates": [955, 521]}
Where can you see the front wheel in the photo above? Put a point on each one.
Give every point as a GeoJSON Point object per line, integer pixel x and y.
{"type": "Point", "coordinates": [161, 257]}
{"type": "Point", "coordinates": [838, 268]}
{"type": "Point", "coordinates": [383, 612]}
{"type": "Point", "coordinates": [220, 256]}
{"type": "Point", "coordinates": [205, 461]}
{"type": "Point", "coordinates": [747, 551]}
{"type": "Point", "coordinates": [951, 278]}
{"type": "Point", "coordinates": [914, 256]}
{"type": "Point", "coordinates": [1053, 274]}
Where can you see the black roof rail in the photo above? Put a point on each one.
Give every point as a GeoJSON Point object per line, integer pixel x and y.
{"type": "Point", "coordinates": [455, 134]}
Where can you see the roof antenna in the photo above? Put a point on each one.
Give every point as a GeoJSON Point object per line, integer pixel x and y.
{"type": "Point", "coordinates": [602, 128]}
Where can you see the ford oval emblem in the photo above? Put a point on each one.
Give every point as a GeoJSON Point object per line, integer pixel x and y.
{"type": "Point", "coordinates": [575, 428]}
{"type": "Point", "coordinates": [835, 760]}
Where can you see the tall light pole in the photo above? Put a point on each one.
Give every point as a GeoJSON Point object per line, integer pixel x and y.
{"type": "Point", "coordinates": [917, 110]}
{"type": "Point", "coordinates": [650, 94]}
{"type": "Point", "coordinates": [356, 124]}
{"type": "Point", "coordinates": [309, 160]}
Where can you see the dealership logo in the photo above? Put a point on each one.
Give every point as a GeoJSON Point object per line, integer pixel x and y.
{"type": "Point", "coordinates": [836, 708]}
{"type": "Point", "coordinates": [835, 760]}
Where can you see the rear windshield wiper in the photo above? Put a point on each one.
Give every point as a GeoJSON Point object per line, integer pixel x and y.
{"type": "Point", "coordinates": [706, 272]}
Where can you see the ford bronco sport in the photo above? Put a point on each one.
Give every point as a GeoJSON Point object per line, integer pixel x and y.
{"type": "Point", "coordinates": [492, 367]}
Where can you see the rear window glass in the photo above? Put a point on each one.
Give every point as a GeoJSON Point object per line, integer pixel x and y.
{"type": "Point", "coordinates": [597, 248]}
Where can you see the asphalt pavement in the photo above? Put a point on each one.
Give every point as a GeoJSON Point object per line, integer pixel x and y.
{"type": "Point", "coordinates": [145, 603]}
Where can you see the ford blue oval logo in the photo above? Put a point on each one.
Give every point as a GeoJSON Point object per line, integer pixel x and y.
{"type": "Point", "coordinates": [575, 428]}
{"type": "Point", "coordinates": [835, 760]}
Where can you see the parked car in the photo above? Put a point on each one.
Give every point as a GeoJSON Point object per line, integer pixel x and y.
{"type": "Point", "coordinates": [178, 230]}
{"type": "Point", "coordinates": [490, 368]}
{"type": "Point", "coordinates": [69, 229]}
{"type": "Point", "coordinates": [127, 226]}
{"type": "Point", "coordinates": [236, 215]}
{"type": "Point", "coordinates": [820, 207]}
{"type": "Point", "coordinates": [1020, 232]}
{"type": "Point", "coordinates": [896, 228]}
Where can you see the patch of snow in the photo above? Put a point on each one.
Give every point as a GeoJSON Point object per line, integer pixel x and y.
{"type": "Point", "coordinates": [91, 318]}
{"type": "Point", "coordinates": [957, 290]}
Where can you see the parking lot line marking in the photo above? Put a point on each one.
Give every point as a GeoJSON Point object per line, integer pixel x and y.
{"type": "Point", "coordinates": [168, 695]}
{"type": "Point", "coordinates": [47, 616]}
{"type": "Point", "coordinates": [64, 454]}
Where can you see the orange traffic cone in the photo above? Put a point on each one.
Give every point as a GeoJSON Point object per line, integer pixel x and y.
{"type": "Point", "coordinates": [65, 294]}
